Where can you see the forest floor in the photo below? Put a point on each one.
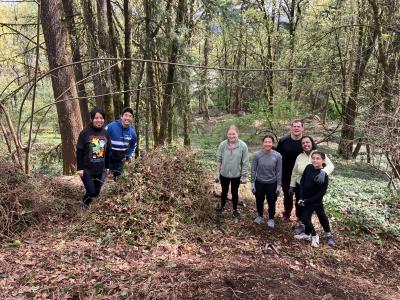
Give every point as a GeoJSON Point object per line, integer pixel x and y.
{"type": "Point", "coordinates": [228, 260]}
{"type": "Point", "coordinates": [217, 258]}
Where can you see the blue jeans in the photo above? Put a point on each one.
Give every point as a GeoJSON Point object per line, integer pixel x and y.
{"type": "Point", "coordinates": [93, 184]}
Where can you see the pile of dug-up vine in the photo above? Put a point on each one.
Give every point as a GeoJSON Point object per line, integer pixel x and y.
{"type": "Point", "coordinates": [21, 203]}
{"type": "Point", "coordinates": [164, 190]}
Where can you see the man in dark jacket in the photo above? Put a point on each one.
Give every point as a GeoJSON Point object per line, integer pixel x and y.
{"type": "Point", "coordinates": [123, 141]}
{"type": "Point", "coordinates": [289, 147]}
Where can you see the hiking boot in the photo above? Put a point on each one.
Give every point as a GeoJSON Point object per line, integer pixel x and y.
{"type": "Point", "coordinates": [271, 223]}
{"type": "Point", "coordinates": [220, 210]}
{"type": "Point", "coordinates": [298, 229]}
{"type": "Point", "coordinates": [315, 241]}
{"type": "Point", "coordinates": [236, 215]}
{"type": "Point", "coordinates": [331, 241]}
{"type": "Point", "coordinates": [303, 237]}
{"type": "Point", "coordinates": [259, 220]}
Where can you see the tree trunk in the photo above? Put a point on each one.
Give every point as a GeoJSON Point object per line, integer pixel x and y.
{"type": "Point", "coordinates": [205, 93]}
{"type": "Point", "coordinates": [238, 89]}
{"type": "Point", "coordinates": [62, 80]}
{"type": "Point", "coordinates": [105, 46]}
{"type": "Point", "coordinates": [364, 51]}
{"type": "Point", "coordinates": [166, 107]}
{"type": "Point", "coordinates": [76, 57]}
{"type": "Point", "coordinates": [137, 106]}
{"type": "Point", "coordinates": [151, 32]}
{"type": "Point", "coordinates": [93, 49]}
{"type": "Point", "coordinates": [128, 52]}
{"type": "Point", "coordinates": [116, 71]}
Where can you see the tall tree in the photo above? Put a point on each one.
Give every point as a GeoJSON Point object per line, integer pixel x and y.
{"type": "Point", "coordinates": [151, 31]}
{"type": "Point", "coordinates": [365, 44]}
{"type": "Point", "coordinates": [128, 52]}
{"type": "Point", "coordinates": [169, 85]}
{"type": "Point", "coordinates": [105, 46]}
{"type": "Point", "coordinates": [76, 57]}
{"type": "Point", "coordinates": [63, 81]}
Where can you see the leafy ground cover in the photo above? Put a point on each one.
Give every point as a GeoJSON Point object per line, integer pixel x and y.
{"type": "Point", "coordinates": [154, 235]}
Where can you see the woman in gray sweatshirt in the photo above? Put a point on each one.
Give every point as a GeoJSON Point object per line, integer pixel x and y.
{"type": "Point", "coordinates": [266, 179]}
{"type": "Point", "coordinates": [232, 165]}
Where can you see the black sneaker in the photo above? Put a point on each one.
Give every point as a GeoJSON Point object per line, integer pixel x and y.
{"type": "Point", "coordinates": [220, 210]}
{"type": "Point", "coordinates": [236, 215]}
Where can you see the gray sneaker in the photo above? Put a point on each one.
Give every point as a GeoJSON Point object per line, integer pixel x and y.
{"type": "Point", "coordinates": [302, 236]}
{"type": "Point", "coordinates": [331, 241]}
{"type": "Point", "coordinates": [259, 220]}
{"type": "Point", "coordinates": [271, 223]}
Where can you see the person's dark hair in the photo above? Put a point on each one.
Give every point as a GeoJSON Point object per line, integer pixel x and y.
{"type": "Point", "coordinates": [127, 110]}
{"type": "Point", "coordinates": [320, 153]}
{"type": "Point", "coordinates": [96, 110]}
{"type": "Point", "coordinates": [314, 145]}
{"type": "Point", "coordinates": [297, 121]}
{"type": "Point", "coordinates": [269, 136]}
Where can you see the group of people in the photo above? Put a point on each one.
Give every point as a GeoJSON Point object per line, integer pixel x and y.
{"type": "Point", "coordinates": [104, 149]}
{"type": "Point", "coordinates": [294, 167]}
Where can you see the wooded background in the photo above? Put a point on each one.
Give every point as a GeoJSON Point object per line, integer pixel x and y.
{"type": "Point", "coordinates": [171, 61]}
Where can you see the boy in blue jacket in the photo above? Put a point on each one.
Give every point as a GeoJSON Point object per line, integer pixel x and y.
{"type": "Point", "coordinates": [123, 141]}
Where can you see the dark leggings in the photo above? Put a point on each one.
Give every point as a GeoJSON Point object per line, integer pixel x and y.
{"type": "Point", "coordinates": [93, 184]}
{"type": "Point", "coordinates": [235, 183]}
{"type": "Point", "coordinates": [266, 190]}
{"type": "Point", "coordinates": [306, 215]}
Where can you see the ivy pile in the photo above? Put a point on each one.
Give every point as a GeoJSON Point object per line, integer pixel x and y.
{"type": "Point", "coordinates": [164, 191]}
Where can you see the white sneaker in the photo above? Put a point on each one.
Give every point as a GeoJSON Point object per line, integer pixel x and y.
{"type": "Point", "coordinates": [259, 220]}
{"type": "Point", "coordinates": [315, 241]}
{"type": "Point", "coordinates": [271, 223]}
{"type": "Point", "coordinates": [303, 237]}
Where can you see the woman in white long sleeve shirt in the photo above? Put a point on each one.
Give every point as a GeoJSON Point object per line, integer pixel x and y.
{"type": "Point", "coordinates": [308, 145]}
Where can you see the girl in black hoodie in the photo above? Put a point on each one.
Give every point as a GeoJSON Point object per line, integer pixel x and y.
{"type": "Point", "coordinates": [311, 194]}
{"type": "Point", "coordinates": [92, 155]}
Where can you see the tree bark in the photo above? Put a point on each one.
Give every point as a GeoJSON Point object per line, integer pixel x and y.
{"type": "Point", "coordinates": [105, 46]}
{"type": "Point", "coordinates": [76, 57]}
{"type": "Point", "coordinates": [62, 80]}
{"type": "Point", "coordinates": [118, 103]}
{"type": "Point", "coordinates": [93, 49]}
{"type": "Point", "coordinates": [151, 32]}
{"type": "Point", "coordinates": [166, 107]}
{"type": "Point", "coordinates": [128, 52]}
{"type": "Point", "coordinates": [364, 50]}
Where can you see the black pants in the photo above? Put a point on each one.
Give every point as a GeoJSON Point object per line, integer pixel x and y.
{"type": "Point", "coordinates": [299, 209]}
{"type": "Point", "coordinates": [287, 199]}
{"type": "Point", "coordinates": [266, 190]}
{"type": "Point", "coordinates": [93, 184]}
{"type": "Point", "coordinates": [235, 183]}
{"type": "Point", "coordinates": [306, 215]}
{"type": "Point", "coordinates": [117, 167]}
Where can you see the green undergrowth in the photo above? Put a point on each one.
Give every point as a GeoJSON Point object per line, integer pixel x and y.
{"type": "Point", "coordinates": [359, 199]}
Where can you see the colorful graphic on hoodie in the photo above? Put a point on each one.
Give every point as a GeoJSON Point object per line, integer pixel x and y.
{"type": "Point", "coordinates": [97, 148]}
